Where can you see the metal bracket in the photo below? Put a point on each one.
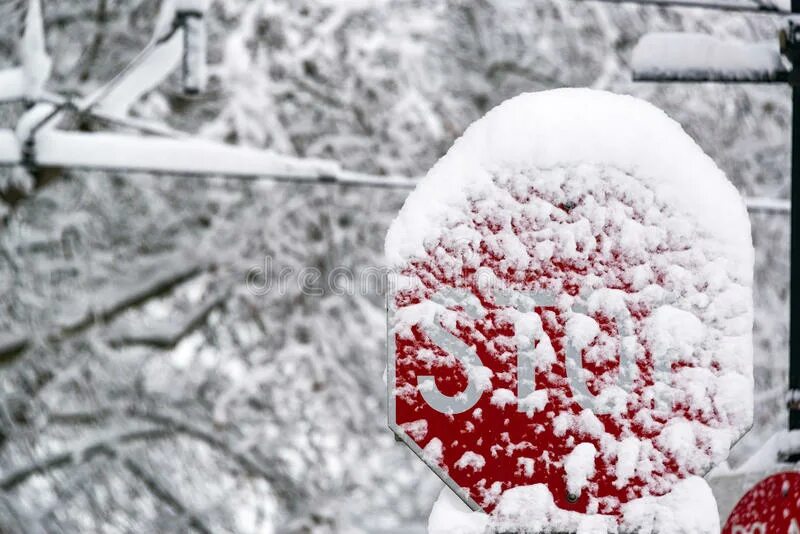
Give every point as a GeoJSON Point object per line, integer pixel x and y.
{"type": "Point", "coordinates": [789, 39]}
{"type": "Point", "coordinates": [789, 449]}
{"type": "Point", "coordinates": [793, 400]}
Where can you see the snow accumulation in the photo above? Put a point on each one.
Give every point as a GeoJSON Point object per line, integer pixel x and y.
{"type": "Point", "coordinates": [36, 64]}
{"type": "Point", "coordinates": [687, 55]}
{"type": "Point", "coordinates": [689, 509]}
{"type": "Point", "coordinates": [146, 74]}
{"type": "Point", "coordinates": [192, 5]}
{"type": "Point", "coordinates": [573, 214]}
{"type": "Point", "coordinates": [13, 85]}
{"type": "Point", "coordinates": [111, 150]}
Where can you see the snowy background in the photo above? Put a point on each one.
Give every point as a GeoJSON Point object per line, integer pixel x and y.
{"type": "Point", "coordinates": [198, 398]}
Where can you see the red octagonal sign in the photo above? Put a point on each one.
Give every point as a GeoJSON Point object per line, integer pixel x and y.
{"type": "Point", "coordinates": [771, 507]}
{"type": "Point", "coordinates": [571, 307]}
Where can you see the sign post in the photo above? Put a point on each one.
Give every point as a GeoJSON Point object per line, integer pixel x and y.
{"type": "Point", "coordinates": [569, 330]}
{"type": "Point", "coordinates": [790, 44]}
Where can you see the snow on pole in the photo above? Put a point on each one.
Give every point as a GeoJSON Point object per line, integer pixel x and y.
{"type": "Point", "coordinates": [36, 64]}
{"type": "Point", "coordinates": [699, 57]}
{"type": "Point", "coordinates": [570, 320]}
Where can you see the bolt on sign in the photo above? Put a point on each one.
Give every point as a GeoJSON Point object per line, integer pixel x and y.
{"type": "Point", "coordinates": [570, 309]}
{"type": "Point", "coordinates": [771, 507]}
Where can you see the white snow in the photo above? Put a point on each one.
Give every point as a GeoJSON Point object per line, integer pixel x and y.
{"type": "Point", "coordinates": [503, 397]}
{"type": "Point", "coordinates": [527, 466]}
{"type": "Point", "coordinates": [200, 6]}
{"type": "Point", "coordinates": [579, 465]}
{"type": "Point", "coordinates": [10, 153]}
{"type": "Point", "coordinates": [36, 64]}
{"type": "Point", "coordinates": [685, 55]}
{"type": "Point", "coordinates": [689, 508]}
{"type": "Point", "coordinates": [417, 429]}
{"type": "Point", "coordinates": [195, 69]}
{"type": "Point", "coordinates": [535, 402]}
{"type": "Point", "coordinates": [196, 156]}
{"type": "Point", "coordinates": [679, 439]}
{"type": "Point", "coordinates": [627, 459]}
{"type": "Point", "coordinates": [602, 128]}
{"type": "Point", "coordinates": [471, 460]}
{"type": "Point", "coordinates": [13, 84]}
{"type": "Point", "coordinates": [765, 457]}
{"type": "Point", "coordinates": [434, 450]}
{"type": "Point", "coordinates": [451, 516]}
{"type": "Point", "coordinates": [582, 329]}
{"type": "Point", "coordinates": [671, 330]}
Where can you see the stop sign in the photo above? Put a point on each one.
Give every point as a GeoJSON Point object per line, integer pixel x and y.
{"type": "Point", "coordinates": [771, 507]}
{"type": "Point", "coordinates": [570, 307]}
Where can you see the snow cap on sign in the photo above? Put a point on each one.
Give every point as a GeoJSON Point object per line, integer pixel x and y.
{"type": "Point", "coordinates": [566, 127]}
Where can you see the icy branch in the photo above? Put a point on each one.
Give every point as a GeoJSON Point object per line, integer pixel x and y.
{"type": "Point", "coordinates": [148, 288]}
{"type": "Point", "coordinates": [106, 446]}
{"type": "Point", "coordinates": [128, 297]}
{"type": "Point", "coordinates": [170, 335]}
{"type": "Point", "coordinates": [282, 484]}
{"type": "Point", "coordinates": [159, 489]}
{"type": "Point", "coordinates": [11, 345]}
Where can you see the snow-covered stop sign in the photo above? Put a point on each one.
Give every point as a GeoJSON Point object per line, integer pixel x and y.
{"type": "Point", "coordinates": [570, 313]}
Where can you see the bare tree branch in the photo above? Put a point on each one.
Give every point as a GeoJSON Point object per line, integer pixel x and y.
{"type": "Point", "coordinates": [282, 484]}
{"type": "Point", "coordinates": [285, 488]}
{"type": "Point", "coordinates": [103, 312]}
{"type": "Point", "coordinates": [169, 336]}
{"type": "Point", "coordinates": [107, 446]}
{"type": "Point", "coordinates": [158, 489]}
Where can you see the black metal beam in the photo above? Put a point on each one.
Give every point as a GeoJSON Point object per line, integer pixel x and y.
{"type": "Point", "coordinates": [790, 46]}
{"type": "Point", "coordinates": [712, 77]}
{"type": "Point", "coordinates": [794, 277]}
{"type": "Point", "coordinates": [719, 5]}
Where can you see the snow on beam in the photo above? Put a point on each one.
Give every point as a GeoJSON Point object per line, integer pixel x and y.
{"type": "Point", "coordinates": [694, 57]}
{"type": "Point", "coordinates": [763, 6]}
{"type": "Point", "coordinates": [117, 152]}
{"type": "Point", "coordinates": [12, 85]}
{"type": "Point", "coordinates": [10, 153]}
{"type": "Point", "coordinates": [768, 205]}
